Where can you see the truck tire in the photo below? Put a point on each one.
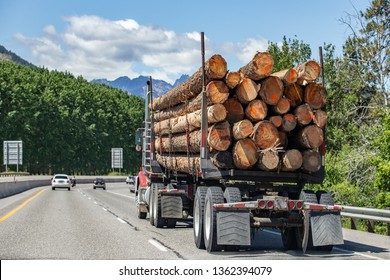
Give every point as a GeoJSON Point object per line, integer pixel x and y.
{"type": "Point", "coordinates": [198, 217]}
{"type": "Point", "coordinates": [324, 197]}
{"type": "Point", "coordinates": [306, 196]}
{"type": "Point", "coordinates": [158, 221]}
{"type": "Point", "coordinates": [289, 238]}
{"type": "Point", "coordinates": [232, 194]}
{"type": "Point", "coordinates": [214, 195]}
{"type": "Point", "coordinates": [151, 205]}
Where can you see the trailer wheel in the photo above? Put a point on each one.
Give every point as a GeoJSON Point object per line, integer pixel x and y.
{"type": "Point", "coordinates": [158, 221]}
{"type": "Point", "coordinates": [289, 238]}
{"type": "Point", "coordinates": [198, 217]}
{"type": "Point", "coordinates": [326, 198]}
{"type": "Point", "coordinates": [306, 196]}
{"type": "Point", "coordinates": [232, 194]}
{"type": "Point", "coordinates": [214, 195]}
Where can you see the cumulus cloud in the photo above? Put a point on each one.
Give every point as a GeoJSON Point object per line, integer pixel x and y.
{"type": "Point", "coordinates": [95, 47]}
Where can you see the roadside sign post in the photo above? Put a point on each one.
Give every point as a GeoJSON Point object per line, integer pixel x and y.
{"type": "Point", "coordinates": [13, 154]}
{"type": "Point", "coordinates": [117, 158]}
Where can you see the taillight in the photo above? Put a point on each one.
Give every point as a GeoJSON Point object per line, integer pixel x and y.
{"type": "Point", "coordinates": [54, 180]}
{"type": "Point", "coordinates": [291, 204]}
{"type": "Point", "coordinates": [262, 204]}
{"type": "Point", "coordinates": [299, 205]}
{"type": "Point", "coordinates": [270, 204]}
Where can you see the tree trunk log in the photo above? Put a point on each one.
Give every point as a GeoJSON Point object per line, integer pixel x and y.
{"type": "Point", "coordinates": [182, 163]}
{"type": "Point", "coordinates": [282, 107]}
{"type": "Point", "coordinates": [311, 161]}
{"type": "Point", "coordinates": [259, 67]}
{"type": "Point", "coordinates": [215, 113]}
{"type": "Point", "coordinates": [288, 76]}
{"type": "Point", "coordinates": [219, 137]}
{"type": "Point", "coordinates": [289, 122]}
{"type": "Point", "coordinates": [242, 129]}
{"type": "Point", "coordinates": [308, 137]}
{"type": "Point", "coordinates": [232, 79]}
{"type": "Point", "coordinates": [179, 143]}
{"type": "Point", "coordinates": [265, 135]}
{"type": "Point", "coordinates": [245, 153]}
{"type": "Point", "coordinates": [222, 160]}
{"type": "Point", "coordinates": [276, 120]}
{"type": "Point", "coordinates": [268, 160]}
{"type": "Point", "coordinates": [247, 91]}
{"type": "Point", "coordinates": [315, 95]}
{"type": "Point", "coordinates": [216, 93]}
{"type": "Point", "coordinates": [294, 93]}
{"type": "Point", "coordinates": [215, 68]}
{"type": "Point", "coordinates": [320, 118]}
{"type": "Point", "coordinates": [303, 114]}
{"type": "Point", "coordinates": [271, 90]}
{"type": "Point", "coordinates": [291, 160]}
{"type": "Point", "coordinates": [234, 109]}
{"type": "Point", "coordinates": [307, 72]}
{"type": "Point", "coordinates": [283, 140]}
{"type": "Point", "coordinates": [256, 110]}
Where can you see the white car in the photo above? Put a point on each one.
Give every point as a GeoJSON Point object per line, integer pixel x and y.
{"type": "Point", "coordinates": [61, 181]}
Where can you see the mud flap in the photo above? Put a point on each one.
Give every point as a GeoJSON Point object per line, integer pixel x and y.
{"type": "Point", "coordinates": [233, 228]}
{"type": "Point", "coordinates": [326, 228]}
{"type": "Point", "coordinates": [171, 207]}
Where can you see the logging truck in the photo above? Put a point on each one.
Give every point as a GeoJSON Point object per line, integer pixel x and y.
{"type": "Point", "coordinates": [234, 151]}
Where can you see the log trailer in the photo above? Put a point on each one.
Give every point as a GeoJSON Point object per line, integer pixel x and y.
{"type": "Point", "coordinates": [228, 205]}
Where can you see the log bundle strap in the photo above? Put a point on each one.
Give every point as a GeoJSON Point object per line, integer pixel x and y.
{"type": "Point", "coordinates": [258, 119]}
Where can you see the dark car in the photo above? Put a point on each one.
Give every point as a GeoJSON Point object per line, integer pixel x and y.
{"type": "Point", "coordinates": [99, 183]}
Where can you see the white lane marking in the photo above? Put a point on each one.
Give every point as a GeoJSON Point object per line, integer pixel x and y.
{"type": "Point", "coordinates": [95, 202]}
{"type": "Point", "coordinates": [158, 245]}
{"type": "Point", "coordinates": [128, 196]}
{"type": "Point", "coordinates": [104, 209]}
{"type": "Point", "coordinates": [337, 248]}
{"type": "Point", "coordinates": [120, 220]}
{"type": "Point", "coordinates": [356, 253]}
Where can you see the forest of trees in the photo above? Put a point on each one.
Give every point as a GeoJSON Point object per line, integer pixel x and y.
{"type": "Point", "coordinates": [70, 125]}
{"type": "Point", "coordinates": [66, 124]}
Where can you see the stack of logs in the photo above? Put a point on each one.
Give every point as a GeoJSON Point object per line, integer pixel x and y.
{"type": "Point", "coordinates": [258, 120]}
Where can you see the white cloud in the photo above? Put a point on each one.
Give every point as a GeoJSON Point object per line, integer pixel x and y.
{"type": "Point", "coordinates": [96, 47]}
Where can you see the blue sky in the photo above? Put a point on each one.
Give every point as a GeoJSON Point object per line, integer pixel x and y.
{"type": "Point", "coordinates": [108, 39]}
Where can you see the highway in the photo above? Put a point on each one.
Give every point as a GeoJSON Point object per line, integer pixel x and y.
{"type": "Point", "coordinates": [88, 224]}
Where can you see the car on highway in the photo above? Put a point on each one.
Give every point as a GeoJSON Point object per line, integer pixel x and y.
{"type": "Point", "coordinates": [61, 181]}
{"type": "Point", "coordinates": [99, 183]}
{"type": "Point", "coordinates": [131, 180]}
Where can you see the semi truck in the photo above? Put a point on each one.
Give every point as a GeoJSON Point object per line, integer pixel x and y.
{"type": "Point", "coordinates": [228, 205]}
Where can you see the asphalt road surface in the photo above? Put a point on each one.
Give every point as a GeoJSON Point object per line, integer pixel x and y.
{"type": "Point", "coordinates": [88, 224]}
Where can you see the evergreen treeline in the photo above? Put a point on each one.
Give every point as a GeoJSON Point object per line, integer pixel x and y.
{"type": "Point", "coordinates": [67, 124]}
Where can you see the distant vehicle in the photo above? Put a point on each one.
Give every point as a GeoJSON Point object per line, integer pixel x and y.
{"type": "Point", "coordinates": [73, 181]}
{"type": "Point", "coordinates": [99, 183]}
{"type": "Point", "coordinates": [61, 181]}
{"type": "Point", "coordinates": [132, 182]}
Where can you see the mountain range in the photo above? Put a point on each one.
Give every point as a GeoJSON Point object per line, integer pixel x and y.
{"type": "Point", "coordinates": [136, 86]}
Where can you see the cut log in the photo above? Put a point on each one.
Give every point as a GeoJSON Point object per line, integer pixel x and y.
{"type": "Point", "coordinates": [276, 120]}
{"type": "Point", "coordinates": [315, 95]}
{"type": "Point", "coordinates": [268, 160]}
{"type": "Point", "coordinates": [222, 160]}
{"type": "Point", "coordinates": [180, 163]}
{"type": "Point", "coordinates": [291, 160]}
{"type": "Point", "coordinates": [179, 143]}
{"type": "Point", "coordinates": [282, 107]}
{"type": "Point", "coordinates": [307, 72]}
{"type": "Point", "coordinates": [308, 137]}
{"type": "Point", "coordinates": [245, 153]}
{"type": "Point", "coordinates": [320, 118]}
{"type": "Point", "coordinates": [215, 68]}
{"type": "Point", "coordinates": [219, 136]}
{"type": "Point", "coordinates": [234, 109]}
{"type": "Point", "coordinates": [242, 129]}
{"type": "Point", "coordinates": [215, 113]}
{"type": "Point", "coordinates": [294, 93]}
{"type": "Point", "coordinates": [311, 161]}
{"type": "Point", "coordinates": [283, 140]}
{"type": "Point", "coordinates": [265, 135]}
{"type": "Point", "coordinates": [288, 76]}
{"type": "Point", "coordinates": [232, 79]}
{"type": "Point", "coordinates": [289, 122]}
{"type": "Point", "coordinates": [216, 93]}
{"type": "Point", "coordinates": [303, 114]}
{"type": "Point", "coordinates": [256, 110]}
{"type": "Point", "coordinates": [247, 91]}
{"type": "Point", "coordinates": [259, 67]}
{"type": "Point", "coordinates": [271, 90]}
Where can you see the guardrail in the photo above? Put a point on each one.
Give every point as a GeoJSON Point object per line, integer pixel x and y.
{"type": "Point", "coordinates": [370, 214]}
